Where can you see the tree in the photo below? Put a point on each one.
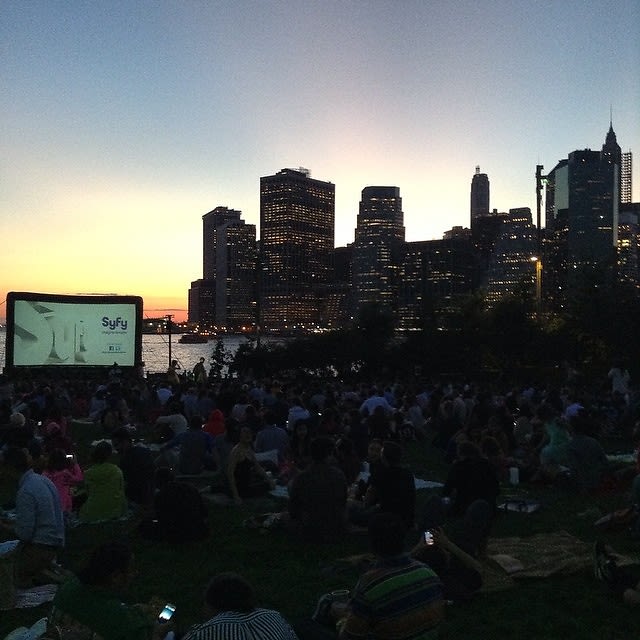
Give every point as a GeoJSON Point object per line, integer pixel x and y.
{"type": "Point", "coordinates": [220, 360]}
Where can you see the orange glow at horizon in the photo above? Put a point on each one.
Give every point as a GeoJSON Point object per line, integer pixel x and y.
{"type": "Point", "coordinates": [153, 306]}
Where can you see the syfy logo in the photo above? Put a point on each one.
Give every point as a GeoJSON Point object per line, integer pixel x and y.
{"type": "Point", "coordinates": [107, 323]}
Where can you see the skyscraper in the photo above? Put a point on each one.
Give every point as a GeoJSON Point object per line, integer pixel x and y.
{"type": "Point", "coordinates": [226, 294]}
{"type": "Point", "coordinates": [236, 261]}
{"type": "Point", "coordinates": [485, 226]}
{"type": "Point", "coordinates": [297, 225]}
{"type": "Point", "coordinates": [511, 270]}
{"type": "Point", "coordinates": [628, 244]}
{"type": "Point", "coordinates": [582, 217]}
{"type": "Point", "coordinates": [379, 237]}
{"type": "Point", "coordinates": [435, 276]}
{"type": "Point", "coordinates": [479, 195]}
{"type": "Point", "coordinates": [210, 222]}
{"type": "Point", "coordinates": [625, 174]}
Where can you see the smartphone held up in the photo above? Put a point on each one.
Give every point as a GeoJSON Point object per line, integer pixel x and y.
{"type": "Point", "coordinates": [166, 613]}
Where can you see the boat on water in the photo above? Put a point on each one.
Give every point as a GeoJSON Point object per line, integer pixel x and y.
{"type": "Point", "coordinates": [193, 338]}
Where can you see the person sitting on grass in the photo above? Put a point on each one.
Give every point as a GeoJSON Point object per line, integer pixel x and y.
{"type": "Point", "coordinates": [136, 463]}
{"type": "Point", "coordinates": [91, 605]}
{"type": "Point", "coordinates": [585, 456]}
{"type": "Point", "coordinates": [104, 485]}
{"type": "Point", "coordinates": [231, 601]}
{"type": "Point", "coordinates": [298, 454]}
{"type": "Point", "coordinates": [552, 450]}
{"type": "Point", "coordinates": [246, 477]}
{"type": "Point", "coordinates": [272, 438]}
{"type": "Point", "coordinates": [19, 432]}
{"type": "Point", "coordinates": [460, 573]}
{"type": "Point", "coordinates": [192, 451]}
{"type": "Point", "coordinates": [318, 497]}
{"type": "Point", "coordinates": [470, 478]}
{"type": "Point", "coordinates": [392, 488]}
{"type": "Point", "coordinates": [399, 597]}
{"type": "Point", "coordinates": [39, 521]}
{"type": "Point", "coordinates": [623, 581]}
{"type": "Point", "coordinates": [65, 473]}
{"type": "Point", "coordinates": [179, 512]}
{"type": "Point", "coordinates": [171, 423]}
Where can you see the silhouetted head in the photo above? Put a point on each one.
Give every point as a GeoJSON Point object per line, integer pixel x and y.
{"type": "Point", "coordinates": [230, 592]}
{"type": "Point", "coordinates": [110, 564]}
{"type": "Point", "coordinates": [386, 534]}
{"type": "Point", "coordinates": [102, 452]}
{"type": "Point", "coordinates": [321, 448]}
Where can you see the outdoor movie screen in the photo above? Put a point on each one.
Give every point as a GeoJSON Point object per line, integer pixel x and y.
{"type": "Point", "coordinates": [47, 330]}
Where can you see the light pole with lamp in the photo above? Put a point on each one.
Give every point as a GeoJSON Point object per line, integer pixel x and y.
{"type": "Point", "coordinates": [538, 262]}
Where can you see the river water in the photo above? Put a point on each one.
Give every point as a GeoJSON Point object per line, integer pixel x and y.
{"type": "Point", "coordinates": [155, 351]}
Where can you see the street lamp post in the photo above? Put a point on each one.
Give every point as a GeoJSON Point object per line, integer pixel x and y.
{"type": "Point", "coordinates": [169, 327]}
{"type": "Point", "coordinates": [538, 263]}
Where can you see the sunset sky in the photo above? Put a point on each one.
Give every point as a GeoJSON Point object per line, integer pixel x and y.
{"type": "Point", "coordinates": [124, 122]}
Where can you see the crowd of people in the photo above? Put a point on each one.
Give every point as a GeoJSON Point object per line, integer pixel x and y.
{"type": "Point", "coordinates": [339, 450]}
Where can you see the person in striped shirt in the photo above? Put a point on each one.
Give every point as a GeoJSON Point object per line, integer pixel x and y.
{"type": "Point", "coordinates": [399, 598]}
{"type": "Point", "coordinates": [235, 615]}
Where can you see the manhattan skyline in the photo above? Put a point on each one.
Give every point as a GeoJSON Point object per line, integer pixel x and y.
{"type": "Point", "coordinates": [126, 122]}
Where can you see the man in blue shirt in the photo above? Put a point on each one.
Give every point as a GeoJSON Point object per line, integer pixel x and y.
{"type": "Point", "coordinates": [39, 522]}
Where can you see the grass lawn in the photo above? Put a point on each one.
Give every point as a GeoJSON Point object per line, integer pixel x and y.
{"type": "Point", "coordinates": [290, 576]}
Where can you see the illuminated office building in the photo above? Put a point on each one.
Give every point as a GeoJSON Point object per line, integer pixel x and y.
{"type": "Point", "coordinates": [625, 177]}
{"type": "Point", "coordinates": [236, 261]}
{"type": "Point", "coordinates": [582, 220]}
{"type": "Point", "coordinates": [201, 302]}
{"type": "Point", "coordinates": [202, 293]}
{"type": "Point", "coordinates": [379, 237]}
{"type": "Point", "coordinates": [486, 225]}
{"type": "Point", "coordinates": [297, 226]}
{"type": "Point", "coordinates": [629, 244]}
{"type": "Point", "coordinates": [225, 296]}
{"type": "Point", "coordinates": [479, 195]}
{"type": "Point", "coordinates": [210, 222]}
{"type": "Point", "coordinates": [511, 269]}
{"type": "Point", "coordinates": [435, 276]}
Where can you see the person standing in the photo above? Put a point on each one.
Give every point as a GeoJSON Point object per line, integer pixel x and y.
{"type": "Point", "coordinates": [172, 374]}
{"type": "Point", "coordinates": [200, 373]}
{"type": "Point", "coordinates": [39, 522]}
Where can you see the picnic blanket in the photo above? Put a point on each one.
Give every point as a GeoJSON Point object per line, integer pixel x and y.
{"type": "Point", "coordinates": [509, 560]}
{"type": "Point", "coordinates": [33, 597]}
{"type": "Point", "coordinates": [539, 556]}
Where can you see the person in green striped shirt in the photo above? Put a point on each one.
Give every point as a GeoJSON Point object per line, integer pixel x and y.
{"type": "Point", "coordinates": [398, 598]}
